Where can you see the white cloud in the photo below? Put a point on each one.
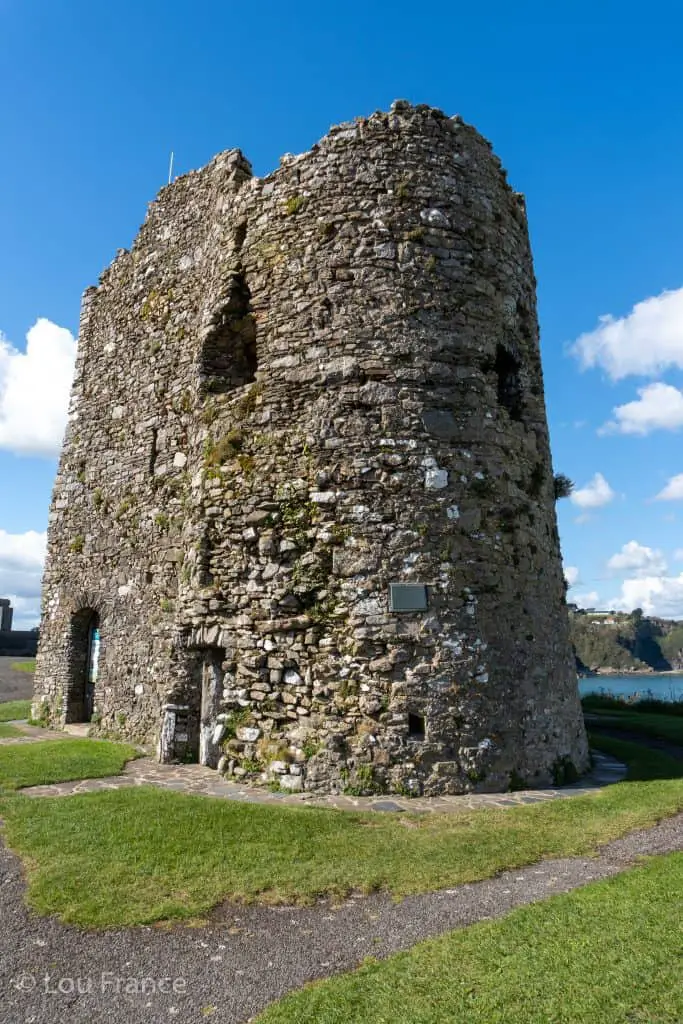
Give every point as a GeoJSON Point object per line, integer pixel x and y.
{"type": "Point", "coordinates": [673, 490]}
{"type": "Point", "coordinates": [645, 342]}
{"type": "Point", "coordinates": [571, 574]}
{"type": "Point", "coordinates": [656, 595]}
{"type": "Point", "coordinates": [34, 389]}
{"type": "Point", "coordinates": [659, 407]}
{"type": "Point", "coordinates": [637, 559]}
{"type": "Point", "coordinates": [26, 611]}
{"type": "Point", "coordinates": [678, 555]}
{"type": "Point", "coordinates": [595, 494]}
{"type": "Point", "coordinates": [589, 600]}
{"type": "Point", "coordinates": [22, 556]}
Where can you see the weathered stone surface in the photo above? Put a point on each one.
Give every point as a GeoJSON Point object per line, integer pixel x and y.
{"type": "Point", "coordinates": [293, 783]}
{"type": "Point", "coordinates": [248, 734]}
{"type": "Point", "coordinates": [292, 392]}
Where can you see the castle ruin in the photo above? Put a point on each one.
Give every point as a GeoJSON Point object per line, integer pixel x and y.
{"type": "Point", "coordinates": [303, 527]}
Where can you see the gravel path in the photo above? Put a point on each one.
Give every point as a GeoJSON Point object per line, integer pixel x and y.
{"type": "Point", "coordinates": [249, 956]}
{"type": "Point", "coordinates": [14, 685]}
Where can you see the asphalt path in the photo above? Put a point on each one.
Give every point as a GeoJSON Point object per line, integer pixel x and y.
{"type": "Point", "coordinates": [246, 957]}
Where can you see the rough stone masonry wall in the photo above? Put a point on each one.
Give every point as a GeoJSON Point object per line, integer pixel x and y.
{"type": "Point", "coordinates": [291, 393]}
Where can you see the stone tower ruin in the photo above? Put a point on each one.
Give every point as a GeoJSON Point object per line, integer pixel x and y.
{"type": "Point", "coordinates": [303, 527]}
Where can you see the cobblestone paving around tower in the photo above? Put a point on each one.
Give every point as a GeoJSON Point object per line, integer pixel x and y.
{"type": "Point", "coordinates": [201, 781]}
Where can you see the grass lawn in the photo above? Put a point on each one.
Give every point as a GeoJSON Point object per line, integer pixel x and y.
{"type": "Point", "coordinates": [35, 764]}
{"type": "Point", "coordinates": [665, 727]}
{"type": "Point", "coordinates": [24, 666]}
{"type": "Point", "coordinates": [140, 855]}
{"type": "Point", "coordinates": [609, 953]}
{"type": "Point", "coordinates": [14, 710]}
{"type": "Point", "coordinates": [8, 730]}
{"type": "Point", "coordinates": [645, 704]}
{"type": "Point", "coordinates": [643, 763]}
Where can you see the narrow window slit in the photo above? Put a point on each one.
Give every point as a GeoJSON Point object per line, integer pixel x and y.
{"type": "Point", "coordinates": [509, 386]}
{"type": "Point", "coordinates": [153, 452]}
{"type": "Point", "coordinates": [416, 727]}
{"type": "Point", "coordinates": [240, 235]}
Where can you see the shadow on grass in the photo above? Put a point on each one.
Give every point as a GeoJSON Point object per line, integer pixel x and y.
{"type": "Point", "coordinates": [644, 763]}
{"type": "Point", "coordinates": [645, 703]}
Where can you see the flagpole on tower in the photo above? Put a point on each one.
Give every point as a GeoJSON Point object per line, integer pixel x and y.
{"type": "Point", "coordinates": [170, 168]}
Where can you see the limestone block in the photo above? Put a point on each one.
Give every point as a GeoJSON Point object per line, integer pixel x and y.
{"type": "Point", "coordinates": [434, 217]}
{"type": "Point", "coordinates": [248, 734]}
{"type": "Point", "coordinates": [293, 783]}
{"type": "Point", "coordinates": [435, 478]}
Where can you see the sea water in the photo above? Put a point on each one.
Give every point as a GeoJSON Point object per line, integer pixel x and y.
{"type": "Point", "coordinates": [668, 686]}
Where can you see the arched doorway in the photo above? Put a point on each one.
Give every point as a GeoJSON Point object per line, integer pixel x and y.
{"type": "Point", "coordinates": [84, 656]}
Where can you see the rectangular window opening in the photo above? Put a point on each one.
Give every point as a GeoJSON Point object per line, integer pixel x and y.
{"type": "Point", "coordinates": [416, 727]}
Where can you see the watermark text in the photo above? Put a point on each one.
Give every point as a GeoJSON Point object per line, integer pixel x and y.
{"type": "Point", "coordinates": [106, 983]}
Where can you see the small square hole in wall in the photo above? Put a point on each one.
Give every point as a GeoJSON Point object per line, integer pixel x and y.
{"type": "Point", "coordinates": [407, 597]}
{"type": "Point", "coordinates": [416, 727]}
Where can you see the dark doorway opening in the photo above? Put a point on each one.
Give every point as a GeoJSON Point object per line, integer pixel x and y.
{"type": "Point", "coordinates": [84, 657]}
{"type": "Point", "coordinates": [416, 727]}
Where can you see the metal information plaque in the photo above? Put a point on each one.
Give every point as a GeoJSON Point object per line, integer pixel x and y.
{"type": "Point", "coordinates": [407, 597]}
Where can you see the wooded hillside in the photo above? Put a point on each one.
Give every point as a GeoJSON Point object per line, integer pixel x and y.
{"type": "Point", "coordinates": [626, 642]}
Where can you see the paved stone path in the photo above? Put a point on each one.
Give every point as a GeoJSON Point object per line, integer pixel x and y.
{"type": "Point", "coordinates": [246, 957]}
{"type": "Point", "coordinates": [193, 778]}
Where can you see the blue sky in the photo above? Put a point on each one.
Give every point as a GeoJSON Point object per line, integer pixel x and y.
{"type": "Point", "coordinates": [582, 103]}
